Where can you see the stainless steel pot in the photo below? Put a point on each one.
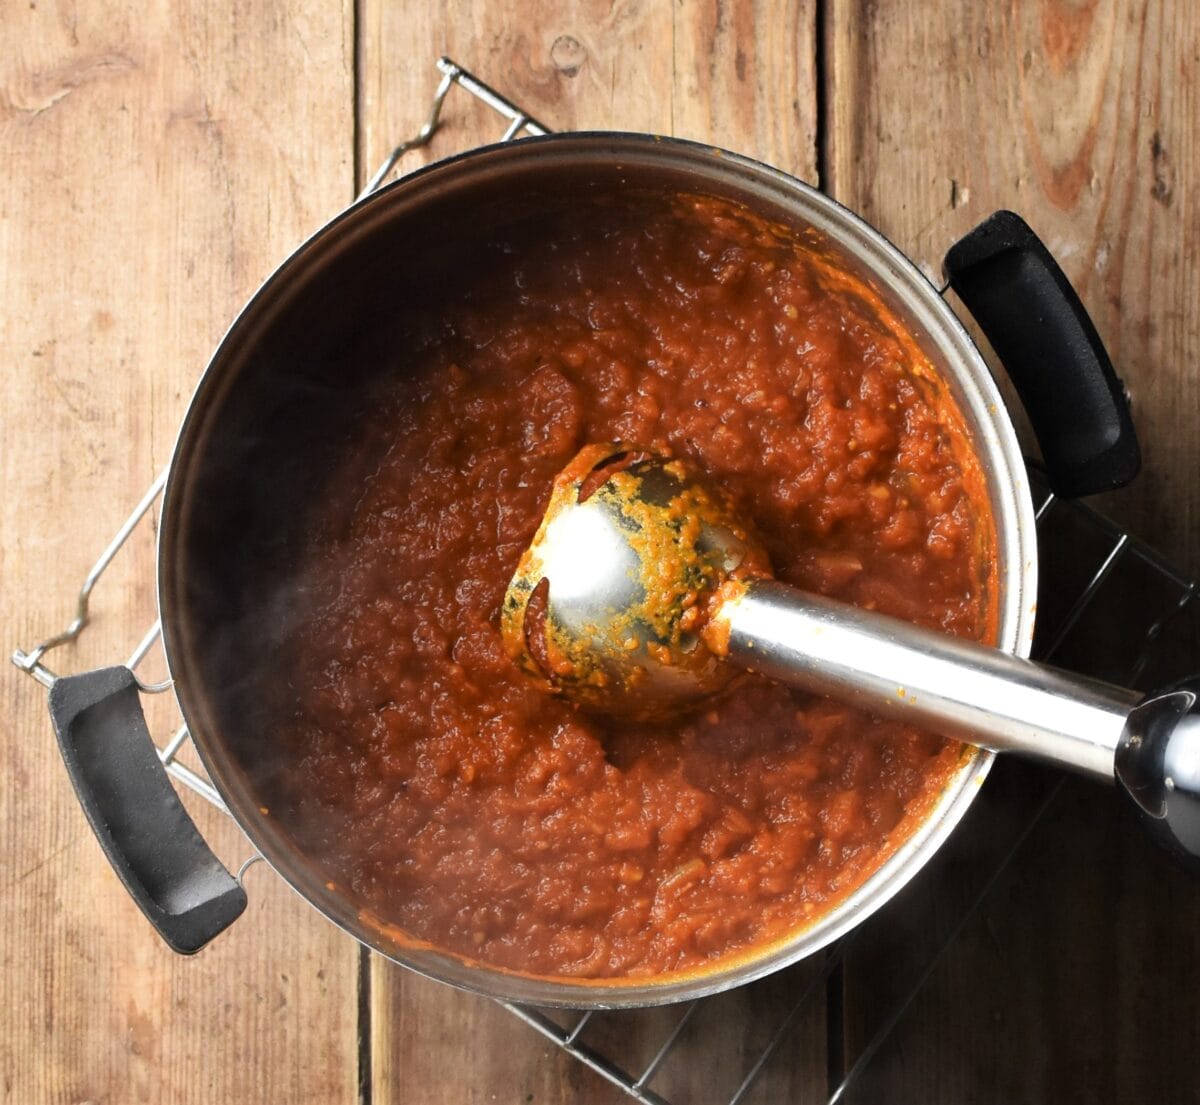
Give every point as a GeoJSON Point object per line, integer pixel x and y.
{"type": "Point", "coordinates": [284, 388]}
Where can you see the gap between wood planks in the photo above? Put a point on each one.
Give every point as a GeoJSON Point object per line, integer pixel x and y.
{"type": "Point", "coordinates": [835, 994]}
{"type": "Point", "coordinates": [366, 1087]}
{"type": "Point", "coordinates": [356, 63]}
{"type": "Point", "coordinates": [821, 61]}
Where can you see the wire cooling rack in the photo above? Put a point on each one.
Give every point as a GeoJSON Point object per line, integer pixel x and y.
{"type": "Point", "coordinates": [1108, 606]}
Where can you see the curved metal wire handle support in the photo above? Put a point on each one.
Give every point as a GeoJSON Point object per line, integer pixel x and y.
{"type": "Point", "coordinates": [452, 74]}
{"type": "Point", "coordinates": [30, 662]}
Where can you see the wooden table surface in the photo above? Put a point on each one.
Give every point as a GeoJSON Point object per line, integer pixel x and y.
{"type": "Point", "coordinates": [160, 160]}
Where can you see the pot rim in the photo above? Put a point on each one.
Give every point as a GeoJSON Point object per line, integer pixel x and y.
{"type": "Point", "coordinates": [974, 390]}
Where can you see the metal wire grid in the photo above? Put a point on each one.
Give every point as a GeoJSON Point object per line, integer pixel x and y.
{"type": "Point", "coordinates": [1117, 581]}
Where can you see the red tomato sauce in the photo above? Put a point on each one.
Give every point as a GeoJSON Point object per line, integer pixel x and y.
{"type": "Point", "coordinates": [456, 801]}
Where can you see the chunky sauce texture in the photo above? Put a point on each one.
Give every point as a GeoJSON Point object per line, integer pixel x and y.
{"type": "Point", "coordinates": [453, 798]}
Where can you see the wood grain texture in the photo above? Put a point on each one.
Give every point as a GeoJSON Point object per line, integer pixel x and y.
{"type": "Point", "coordinates": [433, 1044]}
{"type": "Point", "coordinates": [1082, 117]}
{"type": "Point", "coordinates": [735, 74]}
{"type": "Point", "coordinates": [159, 161]}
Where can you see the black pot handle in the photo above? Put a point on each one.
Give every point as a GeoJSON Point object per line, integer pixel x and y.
{"type": "Point", "coordinates": [154, 846]}
{"type": "Point", "coordinates": [1039, 329]}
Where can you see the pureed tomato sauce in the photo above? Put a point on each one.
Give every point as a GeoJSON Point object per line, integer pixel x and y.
{"type": "Point", "coordinates": [461, 805]}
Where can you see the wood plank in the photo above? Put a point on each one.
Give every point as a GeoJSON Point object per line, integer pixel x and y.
{"type": "Point", "coordinates": [739, 75]}
{"type": "Point", "coordinates": [159, 161]}
{"type": "Point", "coordinates": [1081, 117]}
